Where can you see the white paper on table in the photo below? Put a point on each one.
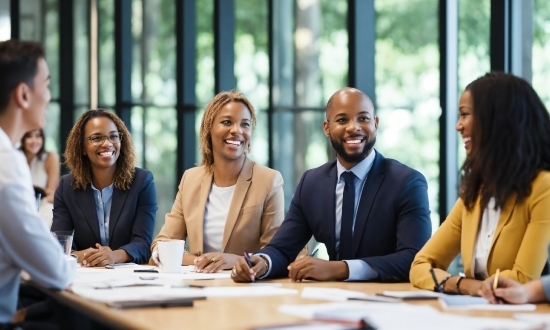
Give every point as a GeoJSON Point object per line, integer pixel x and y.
{"type": "Point", "coordinates": [247, 291]}
{"type": "Point", "coordinates": [412, 294]}
{"type": "Point", "coordinates": [335, 294]}
{"type": "Point", "coordinates": [538, 320]}
{"type": "Point", "coordinates": [100, 274]}
{"type": "Point", "coordinates": [136, 293]}
{"type": "Point", "coordinates": [399, 316]}
{"type": "Point", "coordinates": [453, 302]}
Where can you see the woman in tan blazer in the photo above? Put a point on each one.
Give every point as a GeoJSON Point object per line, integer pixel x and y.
{"type": "Point", "coordinates": [502, 218]}
{"type": "Point", "coordinates": [229, 204]}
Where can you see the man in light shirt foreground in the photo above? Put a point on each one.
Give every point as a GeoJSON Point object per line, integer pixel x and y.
{"type": "Point", "coordinates": [25, 242]}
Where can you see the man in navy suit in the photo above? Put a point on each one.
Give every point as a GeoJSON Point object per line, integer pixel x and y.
{"type": "Point", "coordinates": [371, 234]}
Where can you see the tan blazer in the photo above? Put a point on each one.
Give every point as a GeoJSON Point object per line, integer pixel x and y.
{"type": "Point", "coordinates": [518, 248]}
{"type": "Point", "coordinates": [255, 213]}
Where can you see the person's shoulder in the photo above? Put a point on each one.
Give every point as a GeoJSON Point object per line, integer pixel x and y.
{"type": "Point", "coordinates": [51, 156]}
{"type": "Point", "coordinates": [396, 167]}
{"type": "Point", "coordinates": [66, 179]}
{"type": "Point", "coordinates": [542, 181]}
{"type": "Point", "coordinates": [322, 169]}
{"type": "Point", "coordinates": [197, 171]}
{"type": "Point", "coordinates": [142, 175]}
{"type": "Point", "coordinates": [259, 169]}
{"type": "Point", "coordinates": [142, 172]}
{"type": "Point", "coordinates": [398, 172]}
{"type": "Point", "coordinates": [12, 172]}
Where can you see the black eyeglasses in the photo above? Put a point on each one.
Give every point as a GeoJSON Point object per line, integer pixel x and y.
{"type": "Point", "coordinates": [98, 140]}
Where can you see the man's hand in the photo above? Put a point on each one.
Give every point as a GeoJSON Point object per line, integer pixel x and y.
{"type": "Point", "coordinates": [317, 269]}
{"type": "Point", "coordinates": [81, 255]}
{"type": "Point", "coordinates": [241, 273]}
{"type": "Point", "coordinates": [214, 261]}
{"type": "Point", "coordinates": [103, 256]}
{"type": "Point", "coordinates": [19, 316]}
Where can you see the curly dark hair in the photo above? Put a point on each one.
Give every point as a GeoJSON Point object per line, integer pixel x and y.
{"type": "Point", "coordinates": [510, 140]}
{"type": "Point", "coordinates": [79, 164]}
{"type": "Point", "coordinates": [211, 111]}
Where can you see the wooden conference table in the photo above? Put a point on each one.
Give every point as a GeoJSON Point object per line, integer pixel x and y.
{"type": "Point", "coordinates": [229, 313]}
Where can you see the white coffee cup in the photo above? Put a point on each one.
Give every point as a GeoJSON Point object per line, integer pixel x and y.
{"type": "Point", "coordinates": [170, 255]}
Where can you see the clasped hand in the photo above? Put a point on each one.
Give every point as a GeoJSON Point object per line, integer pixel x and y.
{"type": "Point", "coordinates": [214, 261]}
{"type": "Point", "coordinates": [305, 267]}
{"type": "Point", "coordinates": [100, 256]}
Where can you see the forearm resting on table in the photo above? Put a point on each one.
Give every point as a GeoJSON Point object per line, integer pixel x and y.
{"type": "Point", "coordinates": [467, 286]}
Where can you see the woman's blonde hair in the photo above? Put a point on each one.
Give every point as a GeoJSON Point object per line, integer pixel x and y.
{"type": "Point", "coordinates": [211, 111]}
{"type": "Point", "coordinates": [79, 164]}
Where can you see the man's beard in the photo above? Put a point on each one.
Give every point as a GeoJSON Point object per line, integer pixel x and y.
{"type": "Point", "coordinates": [355, 158]}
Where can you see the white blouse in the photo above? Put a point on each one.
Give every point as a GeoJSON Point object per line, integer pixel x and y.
{"type": "Point", "coordinates": [215, 215]}
{"type": "Point", "coordinates": [485, 235]}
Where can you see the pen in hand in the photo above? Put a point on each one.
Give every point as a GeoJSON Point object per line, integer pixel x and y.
{"type": "Point", "coordinates": [314, 252]}
{"type": "Point", "coordinates": [437, 287]}
{"type": "Point", "coordinates": [495, 285]}
{"type": "Point", "coordinates": [248, 262]}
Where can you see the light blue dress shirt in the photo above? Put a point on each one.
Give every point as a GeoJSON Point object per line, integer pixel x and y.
{"type": "Point", "coordinates": [358, 269]}
{"type": "Point", "coordinates": [103, 201]}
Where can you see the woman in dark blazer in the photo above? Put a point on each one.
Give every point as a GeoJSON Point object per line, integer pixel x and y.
{"type": "Point", "coordinates": [108, 202]}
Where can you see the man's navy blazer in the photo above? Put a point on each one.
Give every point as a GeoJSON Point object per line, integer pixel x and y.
{"type": "Point", "coordinates": [131, 222]}
{"type": "Point", "coordinates": [392, 221]}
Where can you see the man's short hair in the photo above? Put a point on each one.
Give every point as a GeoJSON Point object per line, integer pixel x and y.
{"type": "Point", "coordinates": [18, 64]}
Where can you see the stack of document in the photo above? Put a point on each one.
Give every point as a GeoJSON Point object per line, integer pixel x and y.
{"type": "Point", "coordinates": [132, 283]}
{"type": "Point", "coordinates": [478, 303]}
{"type": "Point", "coordinates": [399, 316]}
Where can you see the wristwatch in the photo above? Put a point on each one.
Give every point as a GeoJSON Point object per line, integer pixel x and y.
{"type": "Point", "coordinates": [461, 276]}
{"type": "Point", "coordinates": [266, 262]}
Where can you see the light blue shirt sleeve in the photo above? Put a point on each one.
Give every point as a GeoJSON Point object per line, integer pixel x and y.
{"type": "Point", "coordinates": [268, 264]}
{"type": "Point", "coordinates": [546, 286]}
{"type": "Point", "coordinates": [360, 270]}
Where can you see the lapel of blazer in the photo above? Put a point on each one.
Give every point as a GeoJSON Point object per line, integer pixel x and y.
{"type": "Point", "coordinates": [196, 229]}
{"type": "Point", "coordinates": [470, 228]}
{"type": "Point", "coordinates": [117, 204]}
{"type": "Point", "coordinates": [86, 202]}
{"type": "Point", "coordinates": [370, 190]}
{"type": "Point", "coordinates": [505, 215]}
{"type": "Point", "coordinates": [241, 188]}
{"type": "Point", "coordinates": [328, 202]}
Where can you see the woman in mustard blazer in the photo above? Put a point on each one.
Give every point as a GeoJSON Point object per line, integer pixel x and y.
{"type": "Point", "coordinates": [502, 218]}
{"type": "Point", "coordinates": [229, 204]}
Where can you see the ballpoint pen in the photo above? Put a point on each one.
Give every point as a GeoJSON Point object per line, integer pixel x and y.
{"type": "Point", "coordinates": [314, 252]}
{"type": "Point", "coordinates": [437, 286]}
{"type": "Point", "coordinates": [145, 271]}
{"type": "Point", "coordinates": [248, 262]}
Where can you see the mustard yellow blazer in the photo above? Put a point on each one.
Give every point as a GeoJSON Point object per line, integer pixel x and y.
{"type": "Point", "coordinates": [255, 213]}
{"type": "Point", "coordinates": [518, 248]}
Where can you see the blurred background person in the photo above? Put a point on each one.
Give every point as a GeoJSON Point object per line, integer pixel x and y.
{"type": "Point", "coordinates": [229, 204]}
{"type": "Point", "coordinates": [501, 219]}
{"type": "Point", "coordinates": [44, 167]}
{"type": "Point", "coordinates": [108, 202]}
